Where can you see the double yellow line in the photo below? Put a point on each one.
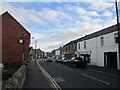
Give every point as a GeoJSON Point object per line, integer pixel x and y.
{"type": "Point", "coordinates": [47, 75]}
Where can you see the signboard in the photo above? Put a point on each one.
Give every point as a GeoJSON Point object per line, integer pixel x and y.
{"type": "Point", "coordinates": [84, 52]}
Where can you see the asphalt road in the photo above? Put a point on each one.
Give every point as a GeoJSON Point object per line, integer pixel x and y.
{"type": "Point", "coordinates": [70, 77]}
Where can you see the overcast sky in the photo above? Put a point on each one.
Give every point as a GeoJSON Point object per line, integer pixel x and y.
{"type": "Point", "coordinates": [54, 24]}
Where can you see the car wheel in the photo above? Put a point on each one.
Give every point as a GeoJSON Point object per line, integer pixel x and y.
{"type": "Point", "coordinates": [74, 65]}
{"type": "Point", "coordinates": [68, 64]}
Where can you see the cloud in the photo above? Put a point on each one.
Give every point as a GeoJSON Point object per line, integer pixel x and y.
{"type": "Point", "coordinates": [107, 14]}
{"type": "Point", "coordinates": [101, 5]}
{"type": "Point", "coordinates": [81, 10]}
{"type": "Point", "coordinates": [23, 15]}
{"type": "Point", "coordinates": [53, 28]}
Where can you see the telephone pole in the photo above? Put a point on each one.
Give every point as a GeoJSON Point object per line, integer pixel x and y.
{"type": "Point", "coordinates": [118, 28]}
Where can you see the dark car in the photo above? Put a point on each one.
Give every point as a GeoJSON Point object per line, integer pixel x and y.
{"type": "Point", "coordinates": [49, 59]}
{"type": "Point", "coordinates": [77, 62]}
{"type": "Point", "coordinates": [65, 60]}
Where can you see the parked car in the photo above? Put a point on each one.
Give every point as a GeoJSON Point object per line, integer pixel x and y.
{"type": "Point", "coordinates": [65, 60]}
{"type": "Point", "coordinates": [77, 62]}
{"type": "Point", "coordinates": [49, 59]}
{"type": "Point", "coordinates": [58, 59]}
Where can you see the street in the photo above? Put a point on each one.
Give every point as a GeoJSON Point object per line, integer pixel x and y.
{"type": "Point", "coordinates": [70, 77]}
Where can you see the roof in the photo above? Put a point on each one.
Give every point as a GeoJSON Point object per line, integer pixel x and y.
{"type": "Point", "coordinates": [14, 19]}
{"type": "Point", "coordinates": [110, 29]}
{"type": "Point", "coordinates": [99, 33]}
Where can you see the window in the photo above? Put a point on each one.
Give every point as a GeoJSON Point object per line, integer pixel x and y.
{"type": "Point", "coordinates": [72, 46]}
{"type": "Point", "coordinates": [102, 41]}
{"type": "Point", "coordinates": [69, 47]}
{"type": "Point", "coordinates": [116, 37]}
{"type": "Point", "coordinates": [84, 44]}
{"type": "Point", "coordinates": [75, 46]}
{"type": "Point", "coordinates": [78, 45]}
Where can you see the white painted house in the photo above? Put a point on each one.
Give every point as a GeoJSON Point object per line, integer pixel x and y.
{"type": "Point", "coordinates": [57, 52]}
{"type": "Point", "coordinates": [102, 46]}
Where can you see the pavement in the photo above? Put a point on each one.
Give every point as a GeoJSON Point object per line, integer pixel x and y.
{"type": "Point", "coordinates": [112, 71]}
{"type": "Point", "coordinates": [35, 78]}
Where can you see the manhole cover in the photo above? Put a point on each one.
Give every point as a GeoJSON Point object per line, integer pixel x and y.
{"type": "Point", "coordinates": [59, 79]}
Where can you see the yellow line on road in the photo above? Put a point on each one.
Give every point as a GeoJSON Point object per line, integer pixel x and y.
{"type": "Point", "coordinates": [47, 75]}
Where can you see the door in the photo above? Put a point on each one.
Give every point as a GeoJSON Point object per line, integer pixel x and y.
{"type": "Point", "coordinates": [110, 59]}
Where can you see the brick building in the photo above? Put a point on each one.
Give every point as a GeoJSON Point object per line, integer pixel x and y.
{"type": "Point", "coordinates": [70, 49]}
{"type": "Point", "coordinates": [15, 41]}
{"type": "Point", "coordinates": [36, 52]}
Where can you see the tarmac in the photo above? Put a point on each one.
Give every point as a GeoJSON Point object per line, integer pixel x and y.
{"type": "Point", "coordinates": [36, 79]}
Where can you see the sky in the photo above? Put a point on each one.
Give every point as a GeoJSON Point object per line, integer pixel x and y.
{"type": "Point", "coordinates": [54, 23]}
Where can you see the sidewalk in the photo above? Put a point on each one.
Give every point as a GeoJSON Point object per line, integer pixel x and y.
{"type": "Point", "coordinates": [35, 78]}
{"type": "Point", "coordinates": [106, 70]}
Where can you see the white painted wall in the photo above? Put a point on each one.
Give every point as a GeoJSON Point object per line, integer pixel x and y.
{"type": "Point", "coordinates": [97, 51]}
{"type": "Point", "coordinates": [57, 52]}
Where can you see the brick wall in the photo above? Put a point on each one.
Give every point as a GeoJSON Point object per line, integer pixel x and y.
{"type": "Point", "coordinates": [12, 31]}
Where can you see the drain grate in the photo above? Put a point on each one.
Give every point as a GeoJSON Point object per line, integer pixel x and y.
{"type": "Point", "coordinates": [59, 79]}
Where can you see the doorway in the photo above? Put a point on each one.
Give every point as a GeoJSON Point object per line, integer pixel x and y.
{"type": "Point", "coordinates": [110, 59]}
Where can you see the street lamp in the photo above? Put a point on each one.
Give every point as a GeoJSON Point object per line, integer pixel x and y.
{"type": "Point", "coordinates": [118, 28]}
{"type": "Point", "coordinates": [35, 48]}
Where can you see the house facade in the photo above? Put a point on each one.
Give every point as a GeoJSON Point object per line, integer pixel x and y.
{"type": "Point", "coordinates": [70, 49]}
{"type": "Point", "coordinates": [15, 41]}
{"type": "Point", "coordinates": [102, 46]}
{"type": "Point", "coordinates": [38, 53]}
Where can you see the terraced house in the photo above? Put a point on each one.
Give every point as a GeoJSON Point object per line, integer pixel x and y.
{"type": "Point", "coordinates": [102, 46]}
{"type": "Point", "coordinates": [70, 49]}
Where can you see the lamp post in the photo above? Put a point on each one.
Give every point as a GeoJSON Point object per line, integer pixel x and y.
{"type": "Point", "coordinates": [35, 48]}
{"type": "Point", "coordinates": [118, 28]}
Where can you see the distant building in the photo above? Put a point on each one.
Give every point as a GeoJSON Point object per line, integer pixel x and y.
{"type": "Point", "coordinates": [102, 46]}
{"type": "Point", "coordinates": [40, 54]}
{"type": "Point", "coordinates": [70, 49]}
{"type": "Point", "coordinates": [15, 41]}
{"type": "Point", "coordinates": [36, 52]}
{"type": "Point", "coordinates": [48, 54]}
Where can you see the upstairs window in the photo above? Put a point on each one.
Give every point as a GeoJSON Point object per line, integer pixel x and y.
{"type": "Point", "coordinates": [102, 41]}
{"type": "Point", "coordinates": [78, 46]}
{"type": "Point", "coordinates": [116, 37]}
{"type": "Point", "coordinates": [84, 44]}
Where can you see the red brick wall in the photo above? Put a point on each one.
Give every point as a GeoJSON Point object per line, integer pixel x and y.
{"type": "Point", "coordinates": [12, 31]}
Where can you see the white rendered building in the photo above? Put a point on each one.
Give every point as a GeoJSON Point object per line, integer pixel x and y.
{"type": "Point", "coordinates": [102, 46]}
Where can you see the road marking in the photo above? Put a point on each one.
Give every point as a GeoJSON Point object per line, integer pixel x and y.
{"type": "Point", "coordinates": [59, 79]}
{"type": "Point", "coordinates": [104, 73]}
{"type": "Point", "coordinates": [96, 79]}
{"type": "Point", "coordinates": [47, 75]}
{"type": "Point", "coordinates": [68, 69]}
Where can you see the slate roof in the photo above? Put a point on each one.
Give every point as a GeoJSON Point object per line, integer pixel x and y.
{"type": "Point", "coordinates": [95, 34]}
